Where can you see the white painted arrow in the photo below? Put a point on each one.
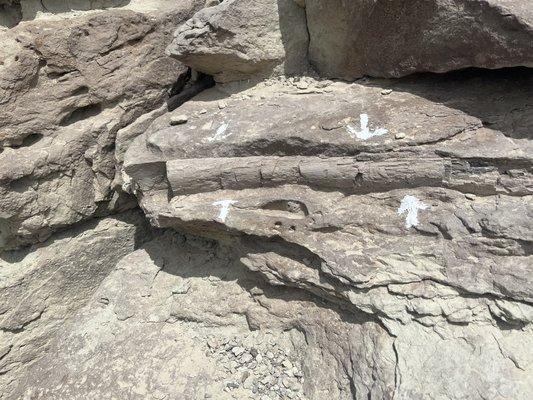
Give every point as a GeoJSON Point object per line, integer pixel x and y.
{"type": "Point", "coordinates": [224, 210]}
{"type": "Point", "coordinates": [365, 133]}
{"type": "Point", "coordinates": [411, 205]}
{"type": "Point", "coordinates": [220, 134]}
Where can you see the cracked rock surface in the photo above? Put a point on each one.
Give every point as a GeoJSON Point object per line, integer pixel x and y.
{"type": "Point", "coordinates": [73, 93]}
{"type": "Point", "coordinates": [231, 199]}
{"type": "Point", "coordinates": [236, 336]}
{"type": "Point", "coordinates": [426, 227]}
{"type": "Point", "coordinates": [350, 39]}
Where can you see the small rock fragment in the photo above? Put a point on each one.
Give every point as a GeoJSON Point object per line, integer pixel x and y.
{"type": "Point", "coordinates": [302, 85]}
{"type": "Point", "coordinates": [400, 135]}
{"type": "Point", "coordinates": [287, 364]}
{"type": "Point", "coordinates": [246, 358]}
{"type": "Point", "coordinates": [182, 288]}
{"type": "Point", "coordinates": [237, 351]}
{"type": "Point", "coordinates": [178, 119]}
{"type": "Point", "coordinates": [386, 92]}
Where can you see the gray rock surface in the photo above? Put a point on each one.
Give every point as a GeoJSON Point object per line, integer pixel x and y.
{"type": "Point", "coordinates": [350, 39]}
{"type": "Point", "coordinates": [429, 234]}
{"type": "Point", "coordinates": [140, 336]}
{"type": "Point", "coordinates": [43, 286]}
{"type": "Point", "coordinates": [70, 90]}
{"type": "Point", "coordinates": [397, 38]}
{"type": "Point", "coordinates": [238, 39]}
{"type": "Point", "coordinates": [309, 239]}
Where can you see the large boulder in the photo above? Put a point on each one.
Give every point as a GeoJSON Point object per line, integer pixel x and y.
{"type": "Point", "coordinates": [238, 39]}
{"type": "Point", "coordinates": [349, 39]}
{"type": "Point", "coordinates": [382, 38]}
{"type": "Point", "coordinates": [410, 203]}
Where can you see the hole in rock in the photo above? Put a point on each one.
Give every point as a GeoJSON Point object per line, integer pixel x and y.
{"type": "Point", "coordinates": [80, 114]}
{"type": "Point", "coordinates": [288, 206]}
{"type": "Point", "coordinates": [28, 140]}
{"type": "Point", "coordinates": [186, 89]}
{"type": "Point", "coordinates": [31, 139]}
{"type": "Point", "coordinates": [79, 91]}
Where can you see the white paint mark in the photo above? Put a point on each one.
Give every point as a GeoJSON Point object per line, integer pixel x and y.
{"type": "Point", "coordinates": [224, 210]}
{"type": "Point", "coordinates": [220, 133]}
{"type": "Point", "coordinates": [365, 133]}
{"type": "Point", "coordinates": [411, 205]}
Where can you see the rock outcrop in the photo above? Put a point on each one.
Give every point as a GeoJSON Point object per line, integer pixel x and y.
{"type": "Point", "coordinates": [68, 89]}
{"type": "Point", "coordinates": [350, 39]}
{"type": "Point", "coordinates": [397, 38]}
{"type": "Point", "coordinates": [237, 39]}
{"type": "Point", "coordinates": [43, 286]}
{"type": "Point", "coordinates": [407, 203]}
{"type": "Point", "coordinates": [236, 336]}
{"type": "Point", "coordinates": [300, 237]}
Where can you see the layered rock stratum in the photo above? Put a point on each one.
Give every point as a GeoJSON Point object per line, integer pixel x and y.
{"type": "Point", "coordinates": [335, 218]}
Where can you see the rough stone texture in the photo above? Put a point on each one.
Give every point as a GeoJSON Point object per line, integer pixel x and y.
{"type": "Point", "coordinates": [42, 286]}
{"type": "Point", "coordinates": [359, 241]}
{"type": "Point", "coordinates": [177, 319]}
{"type": "Point", "coordinates": [312, 197]}
{"type": "Point", "coordinates": [350, 39]}
{"type": "Point", "coordinates": [238, 39]}
{"type": "Point", "coordinates": [67, 87]}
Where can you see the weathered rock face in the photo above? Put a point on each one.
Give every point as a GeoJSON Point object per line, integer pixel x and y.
{"type": "Point", "coordinates": [238, 39]}
{"type": "Point", "coordinates": [43, 286]}
{"type": "Point", "coordinates": [236, 336]}
{"type": "Point", "coordinates": [353, 241]}
{"type": "Point", "coordinates": [412, 206]}
{"type": "Point", "coordinates": [68, 88]}
{"type": "Point", "coordinates": [350, 39]}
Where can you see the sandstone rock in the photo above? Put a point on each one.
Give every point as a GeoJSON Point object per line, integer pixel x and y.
{"type": "Point", "coordinates": [70, 89]}
{"type": "Point", "coordinates": [339, 39]}
{"type": "Point", "coordinates": [355, 241]}
{"type": "Point", "coordinates": [42, 286]}
{"type": "Point", "coordinates": [321, 210]}
{"type": "Point", "coordinates": [98, 351]}
{"type": "Point", "coordinates": [238, 39]}
{"type": "Point", "coordinates": [397, 38]}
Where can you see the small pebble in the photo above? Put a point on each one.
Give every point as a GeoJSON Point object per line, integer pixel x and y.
{"type": "Point", "coordinates": [222, 105]}
{"type": "Point", "coordinates": [287, 364]}
{"type": "Point", "coordinates": [296, 372]}
{"type": "Point", "coordinates": [470, 196]}
{"type": "Point", "coordinates": [246, 358]}
{"type": "Point", "coordinates": [182, 288]}
{"type": "Point", "coordinates": [400, 135]}
{"type": "Point", "coordinates": [237, 351]}
{"type": "Point", "coordinates": [178, 120]}
{"type": "Point", "coordinates": [386, 92]}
